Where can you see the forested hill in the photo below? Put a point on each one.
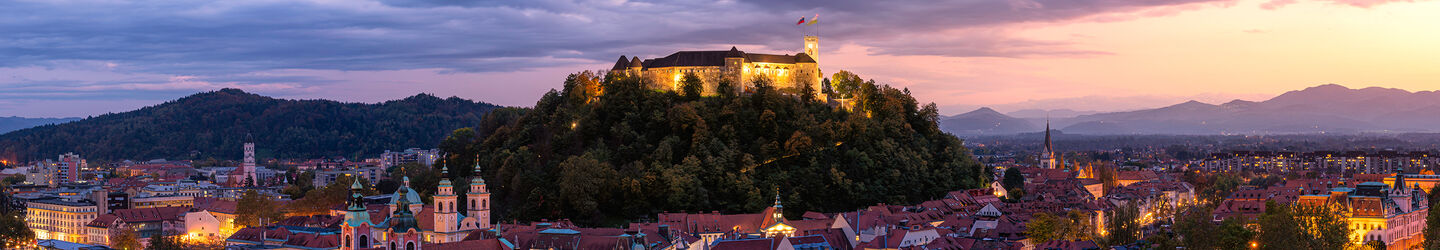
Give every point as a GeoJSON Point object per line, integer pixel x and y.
{"type": "Point", "coordinates": [214, 125]}
{"type": "Point", "coordinates": [631, 152]}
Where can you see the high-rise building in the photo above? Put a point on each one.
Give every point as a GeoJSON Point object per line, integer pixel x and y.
{"type": "Point", "coordinates": [425, 157]}
{"type": "Point", "coordinates": [69, 166]}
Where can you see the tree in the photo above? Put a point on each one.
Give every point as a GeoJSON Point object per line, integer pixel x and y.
{"type": "Point", "coordinates": [1432, 221]}
{"type": "Point", "coordinates": [253, 210]}
{"type": "Point", "coordinates": [1079, 226]}
{"type": "Point", "coordinates": [1375, 244]}
{"type": "Point", "coordinates": [807, 92]}
{"type": "Point", "coordinates": [1279, 229]}
{"type": "Point", "coordinates": [1323, 226]}
{"type": "Point", "coordinates": [12, 179]}
{"type": "Point", "coordinates": [1195, 228]}
{"type": "Point", "coordinates": [161, 242]}
{"type": "Point", "coordinates": [584, 178]}
{"type": "Point", "coordinates": [300, 184]}
{"type": "Point", "coordinates": [825, 88]}
{"type": "Point", "coordinates": [1044, 227]}
{"type": "Point", "coordinates": [633, 152]}
{"type": "Point", "coordinates": [1013, 179]}
{"type": "Point", "coordinates": [1302, 226]}
{"type": "Point", "coordinates": [1105, 172]}
{"type": "Point", "coordinates": [125, 239]}
{"type": "Point", "coordinates": [1234, 235]}
{"type": "Point", "coordinates": [321, 200]}
{"type": "Point", "coordinates": [691, 86]}
{"type": "Point", "coordinates": [846, 83]}
{"type": "Point", "coordinates": [1124, 224]}
{"type": "Point", "coordinates": [725, 87]}
{"type": "Point", "coordinates": [13, 229]}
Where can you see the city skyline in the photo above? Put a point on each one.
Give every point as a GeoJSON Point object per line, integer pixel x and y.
{"type": "Point", "coordinates": [82, 58]}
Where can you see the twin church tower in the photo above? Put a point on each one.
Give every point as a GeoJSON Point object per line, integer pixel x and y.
{"type": "Point", "coordinates": [401, 229]}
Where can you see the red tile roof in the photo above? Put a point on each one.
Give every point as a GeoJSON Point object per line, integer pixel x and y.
{"type": "Point", "coordinates": [104, 221]}
{"type": "Point", "coordinates": [215, 205]}
{"type": "Point", "coordinates": [139, 215]}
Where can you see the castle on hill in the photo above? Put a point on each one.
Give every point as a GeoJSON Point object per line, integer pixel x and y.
{"type": "Point", "coordinates": [741, 68]}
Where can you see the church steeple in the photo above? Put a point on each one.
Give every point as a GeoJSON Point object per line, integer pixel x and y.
{"type": "Point", "coordinates": [356, 229]}
{"type": "Point", "coordinates": [1047, 156]}
{"type": "Point", "coordinates": [778, 208]}
{"type": "Point", "coordinates": [446, 221]}
{"type": "Point", "coordinates": [479, 198]}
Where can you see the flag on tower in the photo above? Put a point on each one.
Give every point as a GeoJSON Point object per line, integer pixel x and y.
{"type": "Point", "coordinates": [812, 20]}
{"type": "Point", "coordinates": [802, 21]}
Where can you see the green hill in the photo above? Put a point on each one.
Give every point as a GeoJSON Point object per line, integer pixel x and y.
{"type": "Point", "coordinates": [626, 154]}
{"type": "Point", "coordinates": [214, 125]}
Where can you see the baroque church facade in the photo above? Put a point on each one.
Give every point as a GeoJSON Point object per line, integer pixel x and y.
{"type": "Point", "coordinates": [407, 224]}
{"type": "Point", "coordinates": [739, 67]}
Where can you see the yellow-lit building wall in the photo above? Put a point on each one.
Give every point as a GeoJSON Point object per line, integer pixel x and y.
{"type": "Point", "coordinates": [59, 221]}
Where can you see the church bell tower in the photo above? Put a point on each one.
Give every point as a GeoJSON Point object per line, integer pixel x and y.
{"type": "Point", "coordinates": [479, 199]}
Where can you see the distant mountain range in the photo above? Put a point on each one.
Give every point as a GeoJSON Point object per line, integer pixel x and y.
{"type": "Point", "coordinates": [215, 124]}
{"type": "Point", "coordinates": [1321, 109]}
{"type": "Point", "coordinates": [985, 121]}
{"type": "Point", "coordinates": [1053, 113]}
{"type": "Point", "coordinates": [13, 123]}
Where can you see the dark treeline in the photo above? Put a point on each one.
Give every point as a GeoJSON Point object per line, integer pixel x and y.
{"type": "Point", "coordinates": [214, 125]}
{"type": "Point", "coordinates": [607, 150]}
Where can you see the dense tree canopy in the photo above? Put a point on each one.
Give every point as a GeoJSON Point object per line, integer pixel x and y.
{"type": "Point", "coordinates": [125, 239]}
{"type": "Point", "coordinates": [320, 200]}
{"type": "Point", "coordinates": [1044, 227]}
{"type": "Point", "coordinates": [627, 152]}
{"type": "Point", "coordinates": [215, 124]}
{"type": "Point", "coordinates": [254, 209]}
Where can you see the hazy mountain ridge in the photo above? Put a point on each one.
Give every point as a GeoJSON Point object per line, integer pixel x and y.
{"type": "Point", "coordinates": [215, 124]}
{"type": "Point", "coordinates": [985, 121]}
{"type": "Point", "coordinates": [1329, 108]}
{"type": "Point", "coordinates": [1326, 108]}
{"type": "Point", "coordinates": [13, 123]}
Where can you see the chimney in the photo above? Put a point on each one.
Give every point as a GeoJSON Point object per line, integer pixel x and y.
{"type": "Point", "coordinates": [665, 232]}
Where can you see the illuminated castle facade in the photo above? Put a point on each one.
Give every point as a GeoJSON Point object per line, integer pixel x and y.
{"type": "Point", "coordinates": [741, 68]}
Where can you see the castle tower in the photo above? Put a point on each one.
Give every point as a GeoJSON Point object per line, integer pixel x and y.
{"type": "Point", "coordinates": [1047, 156]}
{"type": "Point", "coordinates": [446, 218]}
{"type": "Point", "coordinates": [248, 167]}
{"type": "Point", "coordinates": [812, 47]}
{"type": "Point", "coordinates": [356, 229]}
{"type": "Point", "coordinates": [635, 67]}
{"type": "Point", "coordinates": [479, 199]}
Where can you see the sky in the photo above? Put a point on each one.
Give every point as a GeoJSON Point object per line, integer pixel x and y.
{"type": "Point", "coordinates": [61, 58]}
